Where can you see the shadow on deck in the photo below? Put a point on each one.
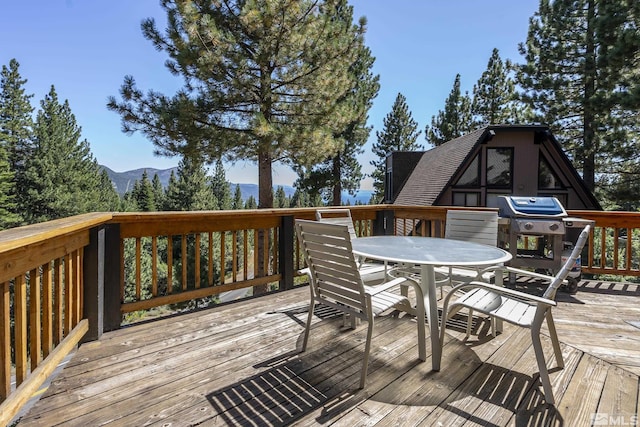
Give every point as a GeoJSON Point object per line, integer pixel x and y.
{"type": "Point", "coordinates": [239, 364]}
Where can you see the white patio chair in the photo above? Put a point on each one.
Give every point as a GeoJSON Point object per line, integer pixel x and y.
{"type": "Point", "coordinates": [518, 308]}
{"type": "Point", "coordinates": [470, 226]}
{"type": "Point", "coordinates": [336, 282]}
{"type": "Point", "coordinates": [343, 217]}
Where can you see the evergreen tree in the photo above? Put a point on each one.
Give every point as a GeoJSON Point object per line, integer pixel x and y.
{"type": "Point", "coordinates": [190, 191]}
{"type": "Point", "coordinates": [343, 172]}
{"type": "Point", "coordinates": [221, 187]}
{"type": "Point", "coordinates": [399, 134]}
{"type": "Point", "coordinates": [300, 199]}
{"type": "Point", "coordinates": [143, 194]}
{"type": "Point", "coordinates": [16, 135]}
{"type": "Point", "coordinates": [158, 191]}
{"type": "Point", "coordinates": [581, 77]}
{"type": "Point", "coordinates": [237, 199]}
{"type": "Point", "coordinates": [454, 120]}
{"type": "Point", "coordinates": [8, 217]}
{"type": "Point", "coordinates": [251, 203]}
{"type": "Point", "coordinates": [108, 198]}
{"type": "Point", "coordinates": [262, 80]}
{"type": "Point", "coordinates": [281, 200]}
{"type": "Point", "coordinates": [495, 100]}
{"type": "Point", "coordinates": [63, 178]}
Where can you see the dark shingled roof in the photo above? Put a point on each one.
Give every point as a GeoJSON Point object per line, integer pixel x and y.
{"type": "Point", "coordinates": [435, 169]}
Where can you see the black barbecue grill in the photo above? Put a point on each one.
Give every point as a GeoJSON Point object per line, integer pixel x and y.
{"type": "Point", "coordinates": [541, 225]}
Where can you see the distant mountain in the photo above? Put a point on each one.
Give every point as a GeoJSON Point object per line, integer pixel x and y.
{"type": "Point", "coordinates": [124, 181]}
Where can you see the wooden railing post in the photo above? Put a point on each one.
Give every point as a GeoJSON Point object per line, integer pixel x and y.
{"type": "Point", "coordinates": [93, 282]}
{"type": "Point", "coordinates": [112, 277]}
{"type": "Point", "coordinates": [285, 252]}
{"type": "Point", "coordinates": [383, 224]}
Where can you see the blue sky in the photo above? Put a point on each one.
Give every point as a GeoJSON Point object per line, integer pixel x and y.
{"type": "Point", "coordinates": [85, 48]}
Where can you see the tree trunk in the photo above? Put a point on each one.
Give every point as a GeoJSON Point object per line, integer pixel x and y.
{"type": "Point", "coordinates": [337, 185]}
{"type": "Point", "coordinates": [265, 200]}
{"type": "Point", "coordinates": [589, 148]}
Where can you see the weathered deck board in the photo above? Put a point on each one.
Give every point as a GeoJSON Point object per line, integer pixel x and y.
{"type": "Point", "coordinates": [240, 364]}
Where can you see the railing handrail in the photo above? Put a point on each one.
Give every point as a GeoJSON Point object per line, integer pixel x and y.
{"type": "Point", "coordinates": [19, 237]}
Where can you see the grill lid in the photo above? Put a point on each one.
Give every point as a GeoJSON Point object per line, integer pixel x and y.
{"type": "Point", "coordinates": [515, 206]}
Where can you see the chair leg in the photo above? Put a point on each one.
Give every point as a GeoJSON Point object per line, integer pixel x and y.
{"type": "Point", "coordinates": [312, 307]}
{"type": "Point", "coordinates": [367, 349]}
{"type": "Point", "coordinates": [469, 320]}
{"type": "Point", "coordinates": [557, 351]}
{"type": "Point", "coordinates": [542, 365]}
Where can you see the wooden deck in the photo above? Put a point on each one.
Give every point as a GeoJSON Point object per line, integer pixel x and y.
{"type": "Point", "coordinates": [239, 365]}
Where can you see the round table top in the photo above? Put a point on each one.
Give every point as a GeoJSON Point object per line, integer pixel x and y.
{"type": "Point", "coordinates": [428, 251]}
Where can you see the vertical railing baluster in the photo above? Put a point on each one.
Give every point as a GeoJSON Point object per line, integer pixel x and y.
{"type": "Point", "coordinates": [197, 262]}
{"type": "Point", "coordinates": [20, 328]}
{"type": "Point", "coordinates": [169, 264]}
{"type": "Point", "coordinates": [223, 255]}
{"type": "Point", "coordinates": [68, 294]}
{"type": "Point", "coordinates": [5, 341]}
{"type": "Point", "coordinates": [58, 329]}
{"type": "Point", "coordinates": [183, 254]}
{"type": "Point", "coordinates": [34, 318]}
{"type": "Point", "coordinates": [234, 255]}
{"type": "Point", "coordinates": [154, 266]}
{"type": "Point", "coordinates": [47, 310]}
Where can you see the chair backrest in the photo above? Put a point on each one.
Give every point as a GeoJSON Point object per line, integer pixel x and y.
{"type": "Point", "coordinates": [337, 216]}
{"type": "Point", "coordinates": [334, 272]}
{"type": "Point", "coordinates": [550, 292]}
{"type": "Point", "coordinates": [472, 226]}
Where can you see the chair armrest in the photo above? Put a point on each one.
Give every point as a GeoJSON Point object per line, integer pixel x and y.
{"type": "Point", "coordinates": [305, 270]}
{"type": "Point", "coordinates": [522, 272]}
{"type": "Point", "coordinates": [504, 291]}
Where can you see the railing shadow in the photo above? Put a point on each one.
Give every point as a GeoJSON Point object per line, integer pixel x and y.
{"type": "Point", "coordinates": [609, 288]}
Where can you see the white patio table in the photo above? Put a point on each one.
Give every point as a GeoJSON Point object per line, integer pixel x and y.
{"type": "Point", "coordinates": [429, 252]}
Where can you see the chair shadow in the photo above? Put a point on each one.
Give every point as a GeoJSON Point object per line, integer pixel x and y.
{"type": "Point", "coordinates": [290, 386]}
{"type": "Point", "coordinates": [283, 391]}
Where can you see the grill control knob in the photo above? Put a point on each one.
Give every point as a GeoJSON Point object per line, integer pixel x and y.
{"type": "Point", "coordinates": [528, 226]}
{"type": "Point", "coordinates": [554, 226]}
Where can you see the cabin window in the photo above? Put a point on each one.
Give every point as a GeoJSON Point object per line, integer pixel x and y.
{"type": "Point", "coordinates": [471, 176]}
{"type": "Point", "coordinates": [466, 199]}
{"type": "Point", "coordinates": [547, 179]}
{"type": "Point", "coordinates": [499, 167]}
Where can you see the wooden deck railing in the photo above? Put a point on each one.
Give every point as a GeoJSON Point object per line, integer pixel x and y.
{"type": "Point", "coordinates": [41, 302]}
{"type": "Point", "coordinates": [91, 271]}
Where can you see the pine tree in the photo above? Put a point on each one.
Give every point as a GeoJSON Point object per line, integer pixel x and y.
{"type": "Point", "coordinates": [16, 135]}
{"type": "Point", "coordinates": [280, 199]}
{"type": "Point", "coordinates": [251, 203]}
{"type": "Point", "coordinates": [158, 191]}
{"type": "Point", "coordinates": [495, 100]}
{"type": "Point", "coordinates": [581, 77]}
{"type": "Point", "coordinates": [108, 198]}
{"type": "Point", "coordinates": [454, 120]}
{"type": "Point", "coordinates": [237, 199]}
{"type": "Point", "coordinates": [144, 195]}
{"type": "Point", "coordinates": [399, 134]}
{"type": "Point", "coordinates": [63, 178]}
{"type": "Point", "coordinates": [221, 187]}
{"type": "Point", "coordinates": [343, 172]}
{"type": "Point", "coordinates": [262, 80]}
{"type": "Point", "coordinates": [8, 217]}
{"type": "Point", "coordinates": [190, 191]}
